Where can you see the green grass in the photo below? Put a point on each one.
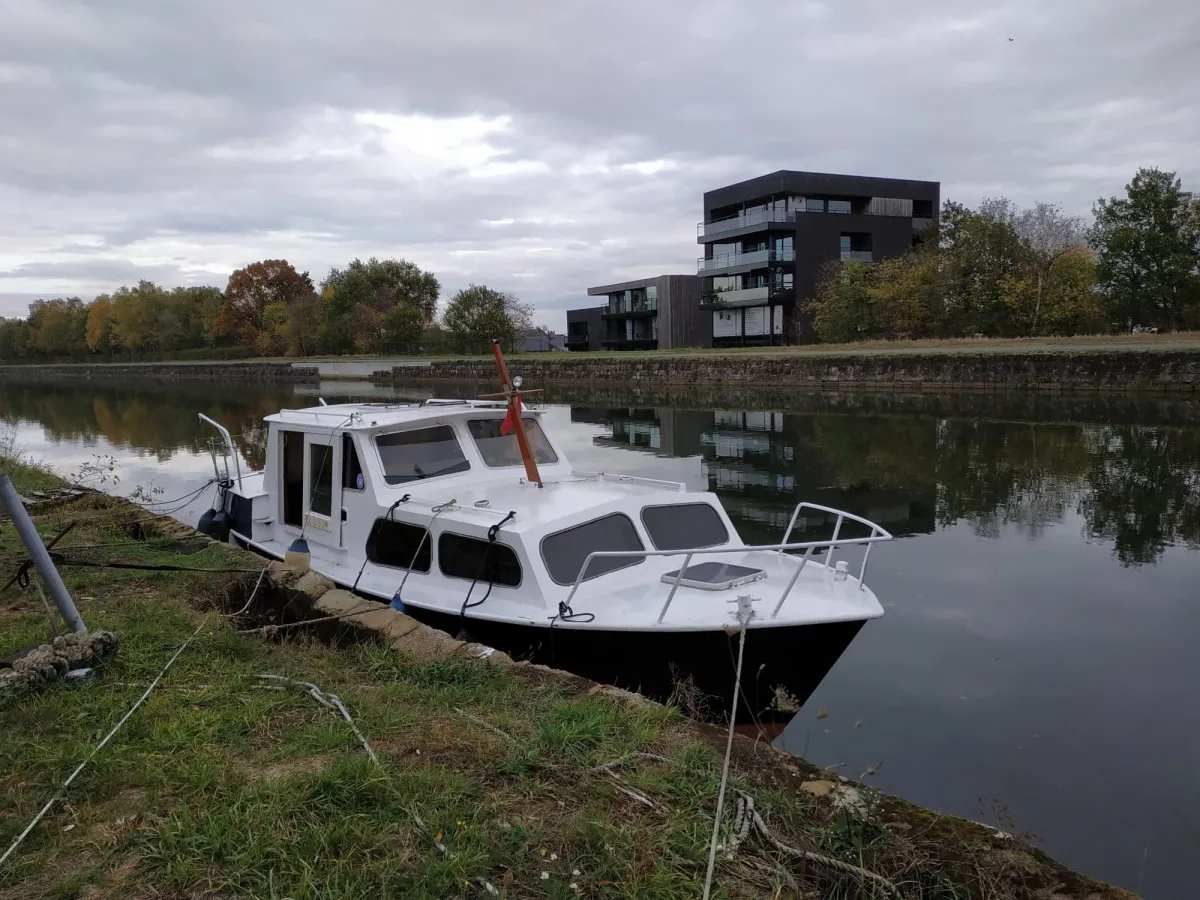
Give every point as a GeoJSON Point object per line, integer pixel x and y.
{"type": "Point", "coordinates": [219, 787]}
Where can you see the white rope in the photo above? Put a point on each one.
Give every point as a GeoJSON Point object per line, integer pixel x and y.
{"type": "Point", "coordinates": [330, 701]}
{"type": "Point", "coordinates": [437, 511]}
{"type": "Point", "coordinates": [249, 599]}
{"type": "Point", "coordinates": [744, 613]}
{"type": "Point", "coordinates": [83, 765]}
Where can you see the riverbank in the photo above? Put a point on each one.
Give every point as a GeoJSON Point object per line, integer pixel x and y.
{"type": "Point", "coordinates": [1150, 366]}
{"type": "Point", "coordinates": [217, 785]}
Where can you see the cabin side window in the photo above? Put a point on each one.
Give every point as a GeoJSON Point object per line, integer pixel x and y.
{"type": "Point", "coordinates": [500, 450]}
{"type": "Point", "coordinates": [352, 473]}
{"type": "Point", "coordinates": [320, 485]}
{"type": "Point", "coordinates": [564, 552]}
{"type": "Point", "coordinates": [460, 556]}
{"type": "Point", "coordinates": [684, 526]}
{"type": "Point", "coordinates": [420, 453]}
{"type": "Point", "coordinates": [399, 545]}
{"type": "Point", "coordinates": [292, 450]}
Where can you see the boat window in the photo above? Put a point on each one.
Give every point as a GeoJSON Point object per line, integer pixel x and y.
{"type": "Point", "coordinates": [501, 449]}
{"type": "Point", "coordinates": [684, 526]}
{"type": "Point", "coordinates": [293, 478]}
{"type": "Point", "coordinates": [565, 551]}
{"type": "Point", "coordinates": [395, 544]}
{"type": "Point", "coordinates": [352, 473]}
{"type": "Point", "coordinates": [421, 453]}
{"type": "Point", "coordinates": [320, 483]}
{"type": "Point", "coordinates": [467, 557]}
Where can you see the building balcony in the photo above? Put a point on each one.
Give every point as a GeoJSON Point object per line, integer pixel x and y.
{"type": "Point", "coordinates": [728, 263]}
{"type": "Point", "coordinates": [859, 255]}
{"type": "Point", "coordinates": [755, 296]}
{"type": "Point", "coordinates": [920, 224]}
{"type": "Point", "coordinates": [630, 311]}
{"type": "Point", "coordinates": [743, 223]}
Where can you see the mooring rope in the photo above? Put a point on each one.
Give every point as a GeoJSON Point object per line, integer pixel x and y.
{"type": "Point", "coordinates": [100, 746]}
{"type": "Point", "coordinates": [744, 613]}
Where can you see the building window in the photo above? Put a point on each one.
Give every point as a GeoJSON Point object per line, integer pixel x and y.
{"type": "Point", "coordinates": [815, 205]}
{"type": "Point", "coordinates": [844, 242]}
{"type": "Point", "coordinates": [784, 249]}
{"type": "Point", "coordinates": [839, 206]}
{"type": "Point", "coordinates": [421, 453]}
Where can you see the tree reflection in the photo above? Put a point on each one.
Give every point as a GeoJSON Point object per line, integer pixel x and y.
{"type": "Point", "coordinates": [1136, 486]}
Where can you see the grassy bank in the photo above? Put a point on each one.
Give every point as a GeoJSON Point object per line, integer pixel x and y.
{"type": "Point", "coordinates": [220, 787]}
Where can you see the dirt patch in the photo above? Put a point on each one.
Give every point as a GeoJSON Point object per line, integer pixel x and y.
{"type": "Point", "coordinates": [304, 765]}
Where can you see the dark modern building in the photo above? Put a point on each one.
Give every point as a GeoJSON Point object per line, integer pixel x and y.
{"type": "Point", "coordinates": [585, 328]}
{"type": "Point", "coordinates": [766, 239]}
{"type": "Point", "coordinates": [660, 313]}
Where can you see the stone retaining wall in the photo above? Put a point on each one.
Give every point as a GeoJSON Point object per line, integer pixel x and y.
{"type": "Point", "coordinates": [165, 372]}
{"type": "Point", "coordinates": [1117, 371]}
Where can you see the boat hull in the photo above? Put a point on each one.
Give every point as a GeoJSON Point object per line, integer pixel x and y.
{"type": "Point", "coordinates": [781, 669]}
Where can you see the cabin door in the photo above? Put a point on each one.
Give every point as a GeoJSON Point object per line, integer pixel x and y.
{"type": "Point", "coordinates": [323, 488]}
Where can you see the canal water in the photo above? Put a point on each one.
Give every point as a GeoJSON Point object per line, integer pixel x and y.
{"type": "Point", "coordinates": [1039, 659]}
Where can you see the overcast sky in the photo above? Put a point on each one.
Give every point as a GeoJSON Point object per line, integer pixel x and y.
{"type": "Point", "coordinates": [541, 147]}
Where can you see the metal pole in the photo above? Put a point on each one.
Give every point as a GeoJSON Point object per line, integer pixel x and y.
{"type": "Point", "coordinates": [39, 554]}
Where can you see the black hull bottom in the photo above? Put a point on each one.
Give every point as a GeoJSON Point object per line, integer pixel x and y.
{"type": "Point", "coordinates": [782, 666]}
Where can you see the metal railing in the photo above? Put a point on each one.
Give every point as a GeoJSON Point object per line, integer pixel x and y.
{"type": "Point", "coordinates": [877, 535]}
{"type": "Point", "coordinates": [230, 449]}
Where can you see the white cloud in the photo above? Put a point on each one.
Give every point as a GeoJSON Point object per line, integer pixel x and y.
{"type": "Point", "coordinates": [534, 151]}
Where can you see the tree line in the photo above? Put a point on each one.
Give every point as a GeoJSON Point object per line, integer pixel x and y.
{"type": "Point", "coordinates": [270, 309]}
{"type": "Point", "coordinates": [1002, 271]}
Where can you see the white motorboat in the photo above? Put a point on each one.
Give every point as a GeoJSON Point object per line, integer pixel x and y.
{"type": "Point", "coordinates": [468, 516]}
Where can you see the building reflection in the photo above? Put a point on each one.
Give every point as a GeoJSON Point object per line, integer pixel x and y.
{"type": "Point", "coordinates": [761, 464]}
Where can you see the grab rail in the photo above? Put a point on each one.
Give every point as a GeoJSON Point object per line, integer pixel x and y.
{"type": "Point", "coordinates": [877, 535]}
{"type": "Point", "coordinates": [632, 479]}
{"type": "Point", "coordinates": [230, 449]}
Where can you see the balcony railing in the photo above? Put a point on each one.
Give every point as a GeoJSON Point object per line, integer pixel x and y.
{"type": "Point", "coordinates": [860, 255]}
{"type": "Point", "coordinates": [752, 258]}
{"type": "Point", "coordinates": [631, 306]}
{"type": "Point", "coordinates": [743, 219]}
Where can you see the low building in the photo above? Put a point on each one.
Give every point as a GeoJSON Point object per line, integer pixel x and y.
{"type": "Point", "coordinates": [660, 313]}
{"type": "Point", "coordinates": [585, 328]}
{"type": "Point", "coordinates": [541, 342]}
{"type": "Point", "coordinates": [765, 241]}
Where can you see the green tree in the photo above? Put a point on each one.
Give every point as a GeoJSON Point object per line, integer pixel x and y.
{"type": "Point", "coordinates": [251, 290]}
{"type": "Point", "coordinates": [14, 339]}
{"type": "Point", "coordinates": [1051, 234]}
{"type": "Point", "coordinates": [980, 250]}
{"type": "Point", "coordinates": [906, 296]}
{"type": "Point", "coordinates": [1147, 245]}
{"type": "Point", "coordinates": [842, 309]}
{"type": "Point", "coordinates": [476, 315]}
{"type": "Point", "coordinates": [359, 297]}
{"type": "Point", "coordinates": [403, 326]}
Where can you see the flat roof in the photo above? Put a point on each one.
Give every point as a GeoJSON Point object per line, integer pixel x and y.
{"type": "Point", "coordinates": [630, 285]}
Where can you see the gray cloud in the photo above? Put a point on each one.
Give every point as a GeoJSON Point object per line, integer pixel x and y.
{"type": "Point", "coordinates": [500, 143]}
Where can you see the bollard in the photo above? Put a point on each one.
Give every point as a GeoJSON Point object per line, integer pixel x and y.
{"type": "Point", "coordinates": [39, 554]}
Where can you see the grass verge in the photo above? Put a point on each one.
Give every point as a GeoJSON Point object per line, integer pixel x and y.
{"type": "Point", "coordinates": [219, 787]}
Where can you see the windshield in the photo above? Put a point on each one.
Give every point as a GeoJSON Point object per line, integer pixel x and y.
{"type": "Point", "coordinates": [422, 453]}
{"type": "Point", "coordinates": [502, 450]}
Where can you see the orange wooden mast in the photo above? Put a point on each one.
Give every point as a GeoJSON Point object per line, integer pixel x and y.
{"type": "Point", "coordinates": [513, 421]}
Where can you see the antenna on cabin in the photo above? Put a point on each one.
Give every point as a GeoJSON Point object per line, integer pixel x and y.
{"type": "Point", "coordinates": [513, 421]}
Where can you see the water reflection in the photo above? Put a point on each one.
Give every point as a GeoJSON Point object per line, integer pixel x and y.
{"type": "Point", "coordinates": [1137, 487]}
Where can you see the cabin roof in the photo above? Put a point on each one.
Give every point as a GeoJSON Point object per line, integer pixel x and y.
{"type": "Point", "coordinates": [370, 416]}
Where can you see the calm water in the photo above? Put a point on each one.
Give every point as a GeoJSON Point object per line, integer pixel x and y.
{"type": "Point", "coordinates": [1039, 660]}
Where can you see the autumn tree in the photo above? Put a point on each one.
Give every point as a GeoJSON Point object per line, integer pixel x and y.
{"type": "Point", "coordinates": [476, 315]}
{"type": "Point", "coordinates": [842, 309]}
{"type": "Point", "coordinates": [251, 290]}
{"type": "Point", "coordinates": [1147, 247]}
{"type": "Point", "coordinates": [58, 327]}
{"type": "Point", "coordinates": [99, 329]}
{"type": "Point", "coordinates": [137, 314]}
{"type": "Point", "coordinates": [979, 249]}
